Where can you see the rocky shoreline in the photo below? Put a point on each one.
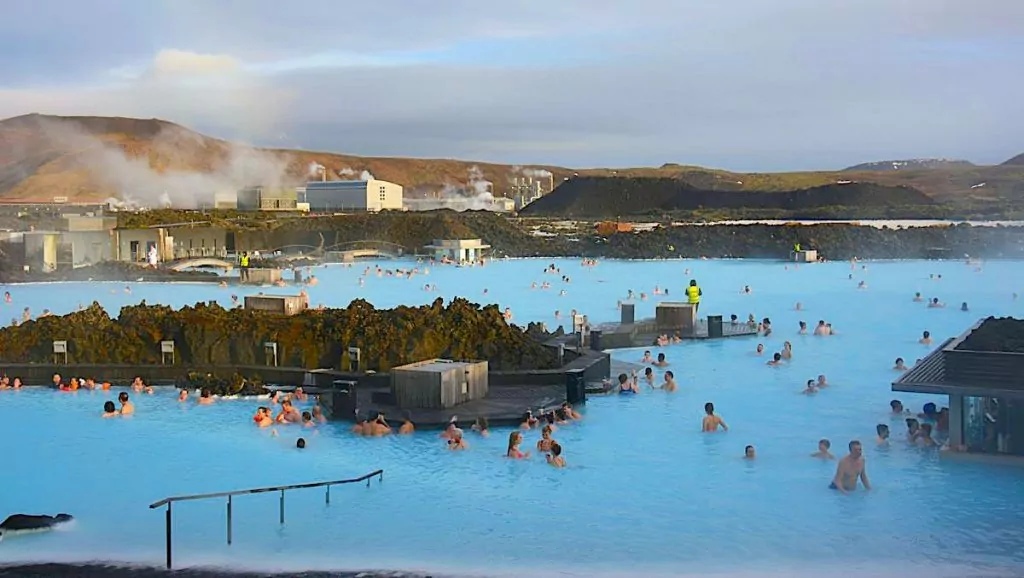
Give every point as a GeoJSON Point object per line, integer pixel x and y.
{"type": "Point", "coordinates": [115, 271]}
{"type": "Point", "coordinates": [513, 237]}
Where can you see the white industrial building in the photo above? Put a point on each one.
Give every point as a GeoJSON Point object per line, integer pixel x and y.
{"type": "Point", "coordinates": [340, 196]}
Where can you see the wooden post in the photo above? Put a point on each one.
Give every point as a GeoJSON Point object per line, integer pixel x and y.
{"type": "Point", "coordinates": [167, 516]}
{"type": "Point", "coordinates": [229, 520]}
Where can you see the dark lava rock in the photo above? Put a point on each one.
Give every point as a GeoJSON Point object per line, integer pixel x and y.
{"type": "Point", "coordinates": [207, 335]}
{"type": "Point", "coordinates": [610, 197]}
{"type": "Point", "coordinates": [996, 334]}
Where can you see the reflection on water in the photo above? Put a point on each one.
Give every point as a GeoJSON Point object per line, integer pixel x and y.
{"type": "Point", "coordinates": [644, 491]}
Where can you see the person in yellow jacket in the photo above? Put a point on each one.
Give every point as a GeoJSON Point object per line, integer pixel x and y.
{"type": "Point", "coordinates": [693, 294]}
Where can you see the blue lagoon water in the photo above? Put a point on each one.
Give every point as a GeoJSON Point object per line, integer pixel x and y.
{"type": "Point", "coordinates": [645, 492]}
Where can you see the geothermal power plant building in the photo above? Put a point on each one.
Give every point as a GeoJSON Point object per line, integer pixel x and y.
{"type": "Point", "coordinates": [339, 196]}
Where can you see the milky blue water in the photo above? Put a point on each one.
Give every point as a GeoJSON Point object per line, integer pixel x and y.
{"type": "Point", "coordinates": [645, 492]}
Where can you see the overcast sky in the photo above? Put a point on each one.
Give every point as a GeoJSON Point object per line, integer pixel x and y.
{"type": "Point", "coordinates": [738, 84]}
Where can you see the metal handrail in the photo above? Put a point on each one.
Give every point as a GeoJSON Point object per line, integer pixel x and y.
{"type": "Point", "coordinates": [379, 474]}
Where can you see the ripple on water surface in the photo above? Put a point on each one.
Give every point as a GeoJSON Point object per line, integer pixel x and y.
{"type": "Point", "coordinates": [644, 489]}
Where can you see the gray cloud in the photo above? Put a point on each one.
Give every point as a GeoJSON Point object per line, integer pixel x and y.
{"type": "Point", "coordinates": [759, 84]}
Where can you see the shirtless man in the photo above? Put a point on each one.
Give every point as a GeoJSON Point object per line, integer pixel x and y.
{"type": "Point", "coordinates": [849, 469]}
{"type": "Point", "coordinates": [288, 413]}
{"type": "Point", "coordinates": [670, 382]}
{"type": "Point", "coordinates": [712, 422]}
{"type": "Point", "coordinates": [127, 407]}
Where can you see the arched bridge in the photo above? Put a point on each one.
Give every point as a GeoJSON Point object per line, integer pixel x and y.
{"type": "Point", "coordinates": [353, 250]}
{"type": "Point", "coordinates": [343, 251]}
{"type": "Point", "coordinates": [200, 262]}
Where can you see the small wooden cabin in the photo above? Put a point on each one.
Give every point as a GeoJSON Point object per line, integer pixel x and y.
{"type": "Point", "coordinates": [438, 383]}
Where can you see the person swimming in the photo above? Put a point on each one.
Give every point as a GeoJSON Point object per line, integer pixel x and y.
{"type": "Point", "coordinates": [669, 384]}
{"type": "Point", "coordinates": [545, 442]}
{"type": "Point", "coordinates": [109, 409]}
{"type": "Point", "coordinates": [661, 362]}
{"type": "Point", "coordinates": [749, 453]}
{"type": "Point", "coordinates": [456, 441]}
{"type": "Point", "coordinates": [918, 298]}
{"type": "Point", "coordinates": [900, 365]}
{"type": "Point", "coordinates": [812, 387]}
{"type": "Point", "coordinates": [711, 422]}
{"type": "Point", "coordinates": [481, 426]}
{"type": "Point", "coordinates": [883, 434]}
{"type": "Point", "coordinates": [926, 338]}
{"type": "Point", "coordinates": [514, 439]}
{"type": "Point", "coordinates": [555, 458]}
{"type": "Point", "coordinates": [775, 360]}
{"type": "Point", "coordinates": [127, 407]}
{"type": "Point", "coordinates": [823, 452]}
{"type": "Point", "coordinates": [627, 386]}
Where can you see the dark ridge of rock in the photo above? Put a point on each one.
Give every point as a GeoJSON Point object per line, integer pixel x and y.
{"type": "Point", "coordinates": [1015, 161]}
{"type": "Point", "coordinates": [833, 241]}
{"type": "Point", "coordinates": [209, 335]}
{"type": "Point", "coordinates": [610, 197]}
{"type": "Point", "coordinates": [910, 165]}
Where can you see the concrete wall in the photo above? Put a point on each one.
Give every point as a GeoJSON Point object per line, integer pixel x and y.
{"type": "Point", "coordinates": [82, 223]}
{"type": "Point", "coordinates": [41, 250]}
{"type": "Point", "coordinates": [199, 241]}
{"type": "Point", "coordinates": [89, 247]}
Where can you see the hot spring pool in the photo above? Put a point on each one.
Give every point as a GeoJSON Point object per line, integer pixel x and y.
{"type": "Point", "coordinates": [644, 493]}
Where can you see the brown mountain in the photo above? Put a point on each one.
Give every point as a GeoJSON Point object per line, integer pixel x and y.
{"type": "Point", "coordinates": [94, 158]}
{"type": "Point", "coordinates": [1015, 161]}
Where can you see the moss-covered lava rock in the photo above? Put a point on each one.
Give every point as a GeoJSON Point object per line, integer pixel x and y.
{"type": "Point", "coordinates": [207, 335]}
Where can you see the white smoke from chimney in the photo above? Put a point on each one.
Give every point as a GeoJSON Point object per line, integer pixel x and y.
{"type": "Point", "coordinates": [366, 176]}
{"type": "Point", "coordinates": [537, 173]}
{"type": "Point", "coordinates": [476, 195]}
{"type": "Point", "coordinates": [346, 172]}
{"type": "Point", "coordinates": [315, 168]}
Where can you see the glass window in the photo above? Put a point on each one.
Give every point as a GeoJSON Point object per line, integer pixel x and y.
{"type": "Point", "coordinates": [994, 425]}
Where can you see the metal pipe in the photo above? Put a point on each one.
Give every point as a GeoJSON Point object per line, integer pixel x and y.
{"type": "Point", "coordinates": [229, 520]}
{"type": "Point", "coordinates": [328, 497]}
{"type": "Point", "coordinates": [282, 506]}
{"type": "Point", "coordinates": [167, 517]}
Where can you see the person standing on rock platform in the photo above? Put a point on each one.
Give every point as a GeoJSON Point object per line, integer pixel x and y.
{"type": "Point", "coordinates": [693, 294]}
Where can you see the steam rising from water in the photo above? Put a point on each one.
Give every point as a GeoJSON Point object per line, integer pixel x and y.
{"type": "Point", "coordinates": [140, 185]}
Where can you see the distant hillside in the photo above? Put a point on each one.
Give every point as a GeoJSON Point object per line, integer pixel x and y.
{"type": "Point", "coordinates": [609, 197]}
{"type": "Point", "coordinates": [1015, 161]}
{"type": "Point", "coordinates": [91, 159]}
{"type": "Point", "coordinates": [911, 164]}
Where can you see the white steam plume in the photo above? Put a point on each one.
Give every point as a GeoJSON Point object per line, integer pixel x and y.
{"type": "Point", "coordinates": [536, 173]}
{"type": "Point", "coordinates": [346, 172]}
{"type": "Point", "coordinates": [315, 169]}
{"type": "Point", "coordinates": [139, 185]}
{"type": "Point", "coordinates": [366, 176]}
{"type": "Point", "coordinates": [476, 195]}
